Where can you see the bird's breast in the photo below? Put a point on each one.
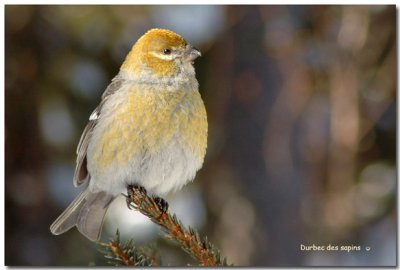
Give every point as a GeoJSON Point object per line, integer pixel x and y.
{"type": "Point", "coordinates": [143, 122]}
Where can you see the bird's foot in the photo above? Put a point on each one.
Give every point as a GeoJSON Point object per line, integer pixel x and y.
{"type": "Point", "coordinates": [132, 189]}
{"type": "Point", "coordinates": [161, 204]}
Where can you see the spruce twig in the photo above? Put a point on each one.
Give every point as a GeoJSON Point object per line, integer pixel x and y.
{"type": "Point", "coordinates": [126, 254]}
{"type": "Point", "coordinates": [189, 240]}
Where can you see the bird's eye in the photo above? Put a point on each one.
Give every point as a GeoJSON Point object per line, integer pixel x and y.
{"type": "Point", "coordinates": [167, 51]}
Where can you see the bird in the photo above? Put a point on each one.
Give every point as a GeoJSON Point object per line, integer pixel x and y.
{"type": "Point", "coordinates": [149, 130]}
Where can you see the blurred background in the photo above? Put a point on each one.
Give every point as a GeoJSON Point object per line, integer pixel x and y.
{"type": "Point", "coordinates": [301, 102]}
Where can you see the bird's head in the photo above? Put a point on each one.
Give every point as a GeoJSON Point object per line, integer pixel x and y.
{"type": "Point", "coordinates": [160, 53]}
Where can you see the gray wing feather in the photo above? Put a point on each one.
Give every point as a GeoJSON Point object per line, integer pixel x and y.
{"type": "Point", "coordinates": [81, 173]}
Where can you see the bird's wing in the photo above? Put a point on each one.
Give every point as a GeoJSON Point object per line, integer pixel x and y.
{"type": "Point", "coordinates": [81, 172]}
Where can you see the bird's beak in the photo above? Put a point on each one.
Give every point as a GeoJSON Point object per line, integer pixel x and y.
{"type": "Point", "coordinates": [191, 53]}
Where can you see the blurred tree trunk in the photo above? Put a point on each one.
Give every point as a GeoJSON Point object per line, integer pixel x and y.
{"type": "Point", "coordinates": [243, 86]}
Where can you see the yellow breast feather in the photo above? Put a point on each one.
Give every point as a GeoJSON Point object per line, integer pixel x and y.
{"type": "Point", "coordinates": [148, 120]}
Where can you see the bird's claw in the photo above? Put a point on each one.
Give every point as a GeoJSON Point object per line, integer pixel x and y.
{"type": "Point", "coordinates": [131, 190]}
{"type": "Point", "coordinates": [128, 203]}
{"type": "Point", "coordinates": [161, 204]}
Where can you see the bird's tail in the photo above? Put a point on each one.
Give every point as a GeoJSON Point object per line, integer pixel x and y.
{"type": "Point", "coordinates": [86, 212]}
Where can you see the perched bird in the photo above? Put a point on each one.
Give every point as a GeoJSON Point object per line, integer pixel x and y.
{"type": "Point", "coordinates": [149, 130]}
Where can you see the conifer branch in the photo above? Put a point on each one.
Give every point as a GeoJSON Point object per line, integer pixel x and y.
{"type": "Point", "coordinates": [126, 254]}
{"type": "Point", "coordinates": [189, 240]}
